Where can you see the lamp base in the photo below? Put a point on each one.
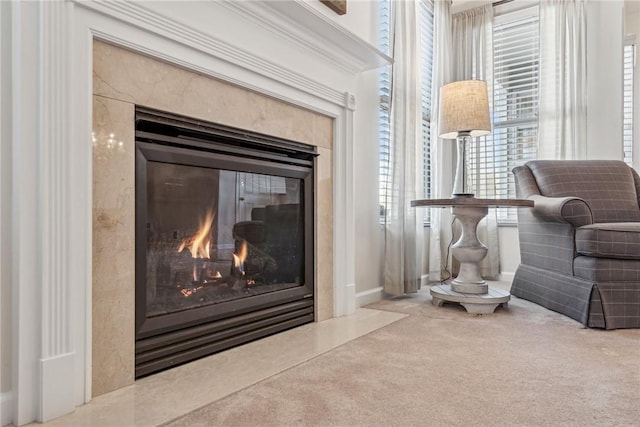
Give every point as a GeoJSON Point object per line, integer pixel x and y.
{"type": "Point", "coordinates": [460, 183]}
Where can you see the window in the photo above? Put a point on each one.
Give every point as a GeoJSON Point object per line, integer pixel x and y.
{"type": "Point", "coordinates": [514, 107]}
{"type": "Point", "coordinates": [627, 109]}
{"type": "Point", "coordinates": [426, 34]}
{"type": "Point", "coordinates": [384, 118]}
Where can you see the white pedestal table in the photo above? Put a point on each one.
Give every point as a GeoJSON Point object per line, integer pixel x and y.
{"type": "Point", "coordinates": [468, 288]}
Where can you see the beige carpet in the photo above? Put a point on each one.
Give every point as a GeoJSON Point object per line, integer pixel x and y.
{"type": "Point", "coordinates": [522, 366]}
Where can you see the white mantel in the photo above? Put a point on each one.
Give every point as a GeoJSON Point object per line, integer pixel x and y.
{"type": "Point", "coordinates": [46, 168]}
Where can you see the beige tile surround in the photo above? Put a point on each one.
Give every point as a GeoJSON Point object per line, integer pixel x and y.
{"type": "Point", "coordinates": [123, 79]}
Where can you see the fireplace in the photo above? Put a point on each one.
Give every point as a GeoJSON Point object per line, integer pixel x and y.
{"type": "Point", "coordinates": [124, 79]}
{"type": "Point", "coordinates": [224, 238]}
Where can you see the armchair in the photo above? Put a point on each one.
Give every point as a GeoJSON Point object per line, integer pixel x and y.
{"type": "Point", "coordinates": [580, 244]}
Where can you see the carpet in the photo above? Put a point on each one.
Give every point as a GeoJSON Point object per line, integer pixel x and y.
{"type": "Point", "coordinates": [440, 366]}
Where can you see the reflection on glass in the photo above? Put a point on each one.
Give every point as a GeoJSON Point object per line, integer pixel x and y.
{"type": "Point", "coordinates": [216, 235]}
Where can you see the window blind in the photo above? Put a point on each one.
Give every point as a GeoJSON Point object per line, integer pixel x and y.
{"type": "Point", "coordinates": [384, 127]}
{"type": "Point", "coordinates": [514, 109]}
{"type": "Point", "coordinates": [426, 35]}
{"type": "Point", "coordinates": [627, 109]}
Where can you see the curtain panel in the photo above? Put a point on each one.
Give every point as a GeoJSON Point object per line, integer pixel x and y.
{"type": "Point", "coordinates": [562, 119]}
{"type": "Point", "coordinates": [403, 227]}
{"type": "Point", "coordinates": [469, 36]}
{"type": "Point", "coordinates": [472, 34]}
{"type": "Point", "coordinates": [442, 151]}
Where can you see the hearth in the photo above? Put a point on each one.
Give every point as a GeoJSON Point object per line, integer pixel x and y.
{"type": "Point", "coordinates": [224, 238]}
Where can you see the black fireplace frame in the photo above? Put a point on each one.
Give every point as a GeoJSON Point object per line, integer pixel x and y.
{"type": "Point", "coordinates": [175, 338]}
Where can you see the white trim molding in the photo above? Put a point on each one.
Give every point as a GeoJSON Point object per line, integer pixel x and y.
{"type": "Point", "coordinates": [26, 265]}
{"type": "Point", "coordinates": [51, 172]}
{"type": "Point", "coordinates": [369, 296]}
{"type": "Point", "coordinates": [4, 256]}
{"type": "Point", "coordinates": [41, 292]}
{"type": "Point", "coordinates": [301, 23]}
{"type": "Point", "coordinates": [5, 408]}
{"type": "Point", "coordinates": [57, 355]}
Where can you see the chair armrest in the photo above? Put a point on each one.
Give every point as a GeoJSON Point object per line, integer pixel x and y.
{"type": "Point", "coordinates": [571, 210]}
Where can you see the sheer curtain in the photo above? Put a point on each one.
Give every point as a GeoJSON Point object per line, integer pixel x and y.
{"type": "Point", "coordinates": [562, 123]}
{"type": "Point", "coordinates": [442, 151]}
{"type": "Point", "coordinates": [471, 41]}
{"type": "Point", "coordinates": [473, 59]}
{"type": "Point", "coordinates": [404, 225]}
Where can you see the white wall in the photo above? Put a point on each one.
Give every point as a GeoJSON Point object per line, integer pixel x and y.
{"type": "Point", "coordinates": [359, 19]}
{"type": "Point", "coordinates": [5, 189]}
{"type": "Point", "coordinates": [368, 237]}
{"type": "Point", "coordinates": [362, 19]}
{"type": "Point", "coordinates": [509, 251]}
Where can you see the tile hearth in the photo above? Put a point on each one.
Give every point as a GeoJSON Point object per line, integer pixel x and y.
{"type": "Point", "coordinates": [170, 394]}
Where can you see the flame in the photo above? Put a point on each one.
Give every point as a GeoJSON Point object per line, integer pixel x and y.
{"type": "Point", "coordinates": [191, 291]}
{"type": "Point", "coordinates": [238, 259]}
{"type": "Point", "coordinates": [200, 242]}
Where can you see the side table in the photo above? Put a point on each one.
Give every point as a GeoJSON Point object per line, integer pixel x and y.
{"type": "Point", "coordinates": [468, 288]}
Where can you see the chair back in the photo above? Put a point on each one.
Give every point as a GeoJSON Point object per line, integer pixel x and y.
{"type": "Point", "coordinates": [607, 185]}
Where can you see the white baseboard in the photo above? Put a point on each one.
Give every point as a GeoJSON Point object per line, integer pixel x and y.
{"type": "Point", "coordinates": [369, 296]}
{"type": "Point", "coordinates": [376, 294]}
{"type": "Point", "coordinates": [5, 408]}
{"type": "Point", "coordinates": [57, 397]}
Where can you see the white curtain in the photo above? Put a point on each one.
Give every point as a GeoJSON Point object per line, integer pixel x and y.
{"type": "Point", "coordinates": [473, 60]}
{"type": "Point", "coordinates": [442, 151]}
{"type": "Point", "coordinates": [562, 122]}
{"type": "Point", "coordinates": [468, 35]}
{"type": "Point", "coordinates": [472, 44]}
{"type": "Point", "coordinates": [404, 225]}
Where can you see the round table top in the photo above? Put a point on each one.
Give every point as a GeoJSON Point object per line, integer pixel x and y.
{"type": "Point", "coordinates": [472, 202]}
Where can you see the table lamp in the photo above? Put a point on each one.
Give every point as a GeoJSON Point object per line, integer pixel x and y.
{"type": "Point", "coordinates": [464, 114]}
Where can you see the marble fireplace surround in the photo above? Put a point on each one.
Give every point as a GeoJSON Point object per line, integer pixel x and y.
{"type": "Point", "coordinates": [123, 79]}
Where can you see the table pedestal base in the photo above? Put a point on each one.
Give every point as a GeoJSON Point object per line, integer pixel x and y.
{"type": "Point", "coordinates": [473, 303]}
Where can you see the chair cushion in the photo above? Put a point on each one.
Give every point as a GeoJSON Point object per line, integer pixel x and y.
{"type": "Point", "coordinates": [609, 240]}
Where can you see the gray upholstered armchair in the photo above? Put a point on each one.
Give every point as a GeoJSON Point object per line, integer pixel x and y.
{"type": "Point", "coordinates": [580, 244]}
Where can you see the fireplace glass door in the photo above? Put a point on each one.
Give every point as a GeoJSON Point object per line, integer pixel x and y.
{"type": "Point", "coordinates": [224, 238]}
{"type": "Point", "coordinates": [217, 235]}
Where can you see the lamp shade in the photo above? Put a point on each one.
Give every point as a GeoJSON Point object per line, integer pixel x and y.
{"type": "Point", "coordinates": [464, 109]}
